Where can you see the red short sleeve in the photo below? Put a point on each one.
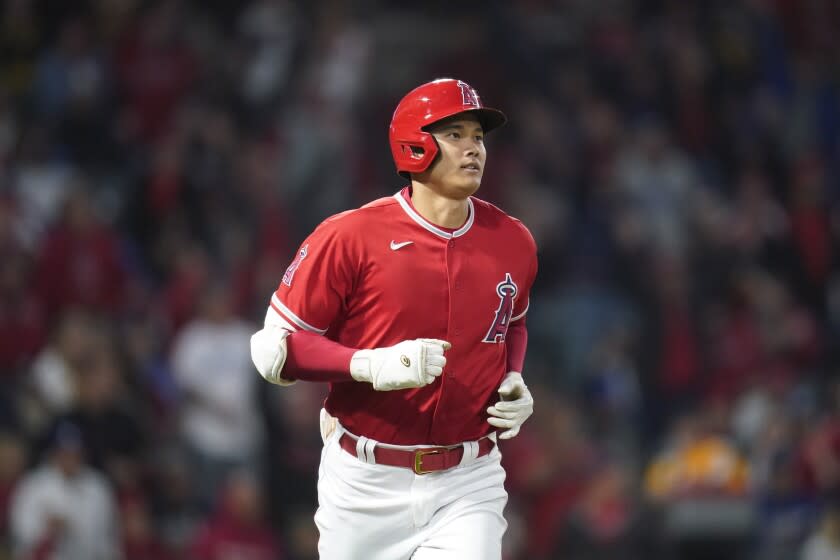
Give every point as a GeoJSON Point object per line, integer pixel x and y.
{"type": "Point", "coordinates": [319, 279]}
{"type": "Point", "coordinates": [523, 299]}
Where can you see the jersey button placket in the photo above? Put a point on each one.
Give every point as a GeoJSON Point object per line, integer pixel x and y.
{"type": "Point", "coordinates": [455, 286]}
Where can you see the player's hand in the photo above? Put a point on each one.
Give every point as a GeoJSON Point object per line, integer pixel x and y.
{"type": "Point", "coordinates": [407, 365]}
{"type": "Point", "coordinates": [516, 405]}
{"type": "Point", "coordinates": [268, 352]}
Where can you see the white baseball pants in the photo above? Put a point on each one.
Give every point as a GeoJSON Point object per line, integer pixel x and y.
{"type": "Point", "coordinates": [378, 512]}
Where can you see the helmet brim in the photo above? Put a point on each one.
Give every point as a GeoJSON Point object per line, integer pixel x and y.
{"type": "Point", "coordinates": [488, 117]}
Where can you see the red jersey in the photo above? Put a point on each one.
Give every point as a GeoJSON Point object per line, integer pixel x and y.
{"type": "Point", "coordinates": [381, 274]}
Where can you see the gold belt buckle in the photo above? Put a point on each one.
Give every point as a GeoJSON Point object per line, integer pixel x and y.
{"type": "Point", "coordinates": [418, 458]}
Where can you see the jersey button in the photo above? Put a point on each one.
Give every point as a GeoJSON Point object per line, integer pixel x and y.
{"type": "Point", "coordinates": [451, 243]}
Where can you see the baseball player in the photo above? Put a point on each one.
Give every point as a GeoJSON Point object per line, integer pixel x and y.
{"type": "Point", "coordinates": [412, 308]}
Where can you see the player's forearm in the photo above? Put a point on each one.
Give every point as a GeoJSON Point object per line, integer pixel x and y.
{"type": "Point", "coordinates": [516, 341]}
{"type": "Point", "coordinates": [313, 357]}
{"type": "Point", "coordinates": [406, 365]}
{"type": "Point", "coordinates": [308, 356]}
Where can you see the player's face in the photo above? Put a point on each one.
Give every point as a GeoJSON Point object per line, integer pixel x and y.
{"type": "Point", "coordinates": [458, 169]}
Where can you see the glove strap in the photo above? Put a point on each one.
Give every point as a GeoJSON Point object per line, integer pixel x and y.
{"type": "Point", "coordinates": [360, 366]}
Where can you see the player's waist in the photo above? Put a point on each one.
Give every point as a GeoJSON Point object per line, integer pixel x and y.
{"type": "Point", "coordinates": [413, 417]}
{"type": "Point", "coordinates": [421, 459]}
{"type": "Point", "coordinates": [423, 429]}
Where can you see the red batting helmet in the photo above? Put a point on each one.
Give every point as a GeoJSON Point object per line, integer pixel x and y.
{"type": "Point", "coordinates": [413, 148]}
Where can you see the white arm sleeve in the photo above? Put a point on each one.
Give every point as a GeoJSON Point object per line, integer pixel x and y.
{"type": "Point", "coordinates": [268, 348]}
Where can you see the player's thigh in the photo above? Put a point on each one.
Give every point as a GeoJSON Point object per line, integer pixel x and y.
{"type": "Point", "coordinates": [470, 522]}
{"type": "Point", "coordinates": [473, 534]}
{"type": "Point", "coordinates": [363, 510]}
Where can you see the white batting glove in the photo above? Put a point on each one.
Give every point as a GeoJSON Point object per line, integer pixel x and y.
{"type": "Point", "coordinates": [516, 405]}
{"type": "Point", "coordinates": [407, 365]}
{"type": "Point", "coordinates": [268, 352]}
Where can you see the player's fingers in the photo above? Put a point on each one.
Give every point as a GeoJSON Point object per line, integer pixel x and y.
{"type": "Point", "coordinates": [508, 386]}
{"type": "Point", "coordinates": [503, 415]}
{"type": "Point", "coordinates": [511, 406]}
{"type": "Point", "coordinates": [433, 351]}
{"type": "Point", "coordinates": [433, 370]}
{"type": "Point", "coordinates": [509, 433]}
{"type": "Point", "coordinates": [501, 422]}
{"type": "Point", "coordinates": [435, 360]}
{"type": "Point", "coordinates": [437, 342]}
{"type": "Point", "coordinates": [428, 378]}
{"type": "Point", "coordinates": [493, 411]}
{"type": "Point", "coordinates": [511, 391]}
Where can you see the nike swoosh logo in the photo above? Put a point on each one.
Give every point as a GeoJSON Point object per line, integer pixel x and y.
{"type": "Point", "coordinates": [395, 246]}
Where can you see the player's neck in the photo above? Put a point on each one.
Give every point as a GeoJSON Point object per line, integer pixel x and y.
{"type": "Point", "coordinates": [437, 209]}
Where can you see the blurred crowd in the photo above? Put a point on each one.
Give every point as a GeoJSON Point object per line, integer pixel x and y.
{"type": "Point", "coordinates": [678, 162]}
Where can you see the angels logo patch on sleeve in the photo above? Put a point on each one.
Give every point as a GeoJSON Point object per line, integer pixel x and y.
{"type": "Point", "coordinates": [290, 272]}
{"type": "Point", "coordinates": [506, 290]}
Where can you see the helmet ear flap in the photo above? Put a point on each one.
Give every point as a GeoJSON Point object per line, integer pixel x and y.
{"type": "Point", "coordinates": [413, 152]}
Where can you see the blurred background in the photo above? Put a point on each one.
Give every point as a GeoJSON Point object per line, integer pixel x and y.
{"type": "Point", "coordinates": [678, 162]}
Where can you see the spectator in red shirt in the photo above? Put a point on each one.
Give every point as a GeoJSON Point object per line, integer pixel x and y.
{"type": "Point", "coordinates": [79, 263]}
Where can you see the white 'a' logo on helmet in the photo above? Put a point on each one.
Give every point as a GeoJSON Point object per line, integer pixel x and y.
{"type": "Point", "coordinates": [468, 95]}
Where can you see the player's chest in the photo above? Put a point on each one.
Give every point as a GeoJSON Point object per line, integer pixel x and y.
{"type": "Point", "coordinates": [437, 276]}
